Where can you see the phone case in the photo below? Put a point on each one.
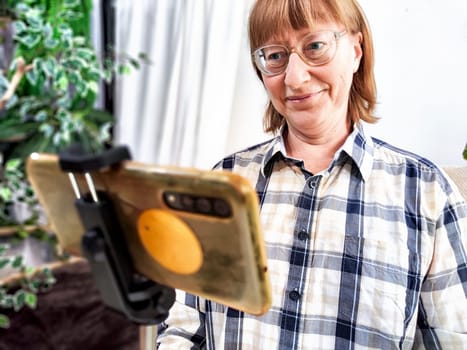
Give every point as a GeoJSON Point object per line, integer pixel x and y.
{"type": "Point", "coordinates": [189, 229]}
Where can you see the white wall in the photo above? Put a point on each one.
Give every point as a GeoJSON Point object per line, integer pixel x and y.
{"type": "Point", "coordinates": [421, 72]}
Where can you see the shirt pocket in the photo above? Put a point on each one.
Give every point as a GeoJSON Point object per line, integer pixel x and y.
{"type": "Point", "coordinates": [382, 280]}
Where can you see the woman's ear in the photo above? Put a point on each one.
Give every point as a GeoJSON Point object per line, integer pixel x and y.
{"type": "Point", "coordinates": [358, 38]}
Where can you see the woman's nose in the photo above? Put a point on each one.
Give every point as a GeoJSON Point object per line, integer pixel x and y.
{"type": "Point", "coordinates": [297, 71]}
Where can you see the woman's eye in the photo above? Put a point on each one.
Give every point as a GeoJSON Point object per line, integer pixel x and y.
{"type": "Point", "coordinates": [315, 46]}
{"type": "Point", "coordinates": [276, 56]}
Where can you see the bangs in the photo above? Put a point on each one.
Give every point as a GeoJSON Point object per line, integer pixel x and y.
{"type": "Point", "coordinates": [271, 18]}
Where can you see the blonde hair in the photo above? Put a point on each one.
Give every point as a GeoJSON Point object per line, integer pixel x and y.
{"type": "Point", "coordinates": [270, 18]}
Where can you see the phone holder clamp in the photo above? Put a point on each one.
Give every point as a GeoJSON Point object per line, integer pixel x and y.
{"type": "Point", "coordinates": [140, 299]}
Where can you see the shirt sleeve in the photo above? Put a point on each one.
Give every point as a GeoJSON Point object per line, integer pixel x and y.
{"type": "Point", "coordinates": [442, 321]}
{"type": "Point", "coordinates": [185, 326]}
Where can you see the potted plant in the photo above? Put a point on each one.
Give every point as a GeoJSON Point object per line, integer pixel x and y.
{"type": "Point", "coordinates": [47, 103]}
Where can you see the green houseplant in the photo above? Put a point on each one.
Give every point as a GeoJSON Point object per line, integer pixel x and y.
{"type": "Point", "coordinates": [54, 105]}
{"type": "Point", "coordinates": [48, 103]}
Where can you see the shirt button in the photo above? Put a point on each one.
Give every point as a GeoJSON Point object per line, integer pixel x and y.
{"type": "Point", "coordinates": [294, 295]}
{"type": "Point", "coordinates": [312, 184]}
{"type": "Point", "coordinates": [303, 235]}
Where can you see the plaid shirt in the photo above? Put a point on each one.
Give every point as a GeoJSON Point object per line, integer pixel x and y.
{"type": "Point", "coordinates": [370, 253]}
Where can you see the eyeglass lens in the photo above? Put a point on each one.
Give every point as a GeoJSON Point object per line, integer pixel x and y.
{"type": "Point", "coordinates": [315, 49]}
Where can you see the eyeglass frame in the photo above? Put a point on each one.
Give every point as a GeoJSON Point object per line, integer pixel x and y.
{"type": "Point", "coordinates": [289, 51]}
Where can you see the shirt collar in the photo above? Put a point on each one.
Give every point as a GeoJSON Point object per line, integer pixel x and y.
{"type": "Point", "coordinates": [275, 148]}
{"type": "Point", "coordinates": [358, 147]}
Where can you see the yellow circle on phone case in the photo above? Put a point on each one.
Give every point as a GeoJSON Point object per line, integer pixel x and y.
{"type": "Point", "coordinates": [170, 241]}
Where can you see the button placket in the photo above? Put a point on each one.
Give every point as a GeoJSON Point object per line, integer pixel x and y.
{"type": "Point", "coordinates": [303, 255]}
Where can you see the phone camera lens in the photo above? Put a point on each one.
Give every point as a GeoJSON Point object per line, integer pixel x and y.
{"type": "Point", "coordinates": [203, 205]}
{"type": "Point", "coordinates": [187, 202]}
{"type": "Point", "coordinates": [222, 208]}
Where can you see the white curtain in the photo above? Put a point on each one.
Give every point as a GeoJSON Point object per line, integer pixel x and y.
{"type": "Point", "coordinates": [97, 42]}
{"type": "Point", "coordinates": [177, 109]}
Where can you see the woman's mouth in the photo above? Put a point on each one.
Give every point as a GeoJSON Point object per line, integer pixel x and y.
{"type": "Point", "coordinates": [303, 97]}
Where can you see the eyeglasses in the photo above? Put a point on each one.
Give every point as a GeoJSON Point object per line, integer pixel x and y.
{"type": "Point", "coordinates": [315, 49]}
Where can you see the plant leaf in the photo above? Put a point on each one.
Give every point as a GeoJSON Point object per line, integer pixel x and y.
{"type": "Point", "coordinates": [3, 249]}
{"type": "Point", "coordinates": [47, 129]}
{"type": "Point", "coordinates": [32, 77]}
{"type": "Point", "coordinates": [51, 43]}
{"type": "Point", "coordinates": [93, 86]}
{"type": "Point", "coordinates": [13, 165]}
{"type": "Point", "coordinates": [47, 30]}
{"type": "Point", "coordinates": [19, 299]}
{"type": "Point", "coordinates": [29, 40]}
{"type": "Point", "coordinates": [48, 66]}
{"type": "Point", "coordinates": [134, 63]}
{"type": "Point", "coordinates": [79, 41]}
{"type": "Point", "coordinates": [41, 116]}
{"type": "Point", "coordinates": [71, 3]}
{"type": "Point", "coordinates": [11, 102]}
{"type": "Point", "coordinates": [4, 262]}
{"type": "Point", "coordinates": [74, 76]}
{"type": "Point", "coordinates": [4, 83]}
{"type": "Point", "coordinates": [85, 53]}
{"type": "Point", "coordinates": [4, 321]}
{"type": "Point", "coordinates": [72, 15]}
{"type": "Point", "coordinates": [5, 194]}
{"type": "Point", "coordinates": [31, 300]}
{"type": "Point", "coordinates": [82, 88]}
{"type": "Point", "coordinates": [75, 62]}
{"type": "Point", "coordinates": [19, 26]}
{"type": "Point", "coordinates": [35, 143]}
{"type": "Point", "coordinates": [34, 19]}
{"type": "Point", "coordinates": [61, 81]}
{"type": "Point", "coordinates": [15, 132]}
{"type": "Point", "coordinates": [123, 69]}
{"type": "Point", "coordinates": [17, 262]}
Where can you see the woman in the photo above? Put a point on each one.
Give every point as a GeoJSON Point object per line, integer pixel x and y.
{"type": "Point", "coordinates": [366, 243]}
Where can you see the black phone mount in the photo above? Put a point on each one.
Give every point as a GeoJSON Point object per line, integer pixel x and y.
{"type": "Point", "coordinates": [142, 300]}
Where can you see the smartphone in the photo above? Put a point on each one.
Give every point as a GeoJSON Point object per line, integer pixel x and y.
{"type": "Point", "coordinates": [188, 229]}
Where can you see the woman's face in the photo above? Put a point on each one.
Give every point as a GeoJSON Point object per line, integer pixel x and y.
{"type": "Point", "coordinates": [314, 99]}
